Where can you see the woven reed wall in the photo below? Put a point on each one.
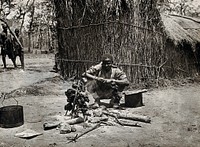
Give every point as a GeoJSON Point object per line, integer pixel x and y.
{"type": "Point", "coordinates": [131, 32]}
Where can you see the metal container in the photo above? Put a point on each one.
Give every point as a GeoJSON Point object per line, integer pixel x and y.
{"type": "Point", "coordinates": [11, 116]}
{"type": "Point", "coordinates": [134, 98]}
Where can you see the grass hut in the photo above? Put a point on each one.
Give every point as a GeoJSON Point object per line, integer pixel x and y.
{"type": "Point", "coordinates": [182, 45]}
{"type": "Point", "coordinates": [128, 29]}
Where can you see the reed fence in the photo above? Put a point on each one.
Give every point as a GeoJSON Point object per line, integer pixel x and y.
{"type": "Point", "coordinates": [129, 30]}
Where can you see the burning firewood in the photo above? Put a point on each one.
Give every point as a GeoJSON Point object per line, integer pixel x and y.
{"type": "Point", "coordinates": [77, 99]}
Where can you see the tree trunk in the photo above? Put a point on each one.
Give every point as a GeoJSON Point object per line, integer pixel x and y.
{"type": "Point", "coordinates": [30, 26]}
{"type": "Point", "coordinates": [29, 42]}
{"type": "Point", "coordinates": [23, 17]}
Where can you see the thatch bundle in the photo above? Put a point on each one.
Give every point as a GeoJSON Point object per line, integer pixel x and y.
{"type": "Point", "coordinates": [183, 45]}
{"type": "Point", "coordinates": [182, 28]}
{"type": "Point", "coordinates": [129, 29]}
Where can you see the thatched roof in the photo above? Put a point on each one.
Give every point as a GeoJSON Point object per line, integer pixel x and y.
{"type": "Point", "coordinates": [182, 29]}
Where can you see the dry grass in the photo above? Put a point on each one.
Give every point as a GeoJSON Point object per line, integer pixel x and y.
{"type": "Point", "coordinates": [182, 29]}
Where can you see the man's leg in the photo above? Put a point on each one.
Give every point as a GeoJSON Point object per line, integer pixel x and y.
{"type": "Point", "coordinates": [93, 89]}
{"type": "Point", "coordinates": [116, 96]}
{"type": "Point", "coordinates": [55, 67]}
{"type": "Point", "coordinates": [21, 58]}
{"type": "Point", "coordinates": [3, 53]}
{"type": "Point", "coordinates": [96, 98]}
{"type": "Point", "coordinates": [4, 60]}
{"type": "Point", "coordinates": [14, 63]}
{"type": "Point", "coordinates": [14, 58]}
{"type": "Point", "coordinates": [115, 99]}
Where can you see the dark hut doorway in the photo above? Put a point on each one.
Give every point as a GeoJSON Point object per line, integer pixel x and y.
{"type": "Point", "coordinates": [190, 58]}
{"type": "Point", "coordinates": [198, 56]}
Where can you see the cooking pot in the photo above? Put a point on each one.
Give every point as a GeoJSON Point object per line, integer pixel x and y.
{"type": "Point", "coordinates": [11, 116]}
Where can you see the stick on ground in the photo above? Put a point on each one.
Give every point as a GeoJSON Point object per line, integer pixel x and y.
{"type": "Point", "coordinates": [78, 136]}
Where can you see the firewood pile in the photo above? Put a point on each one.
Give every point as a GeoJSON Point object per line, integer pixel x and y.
{"type": "Point", "coordinates": [95, 118]}
{"type": "Point", "coordinates": [80, 115]}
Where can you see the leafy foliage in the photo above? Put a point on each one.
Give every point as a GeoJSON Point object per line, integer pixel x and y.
{"type": "Point", "coordinates": [181, 7]}
{"type": "Point", "coordinates": [35, 18]}
{"type": "Point", "coordinates": [16, 9]}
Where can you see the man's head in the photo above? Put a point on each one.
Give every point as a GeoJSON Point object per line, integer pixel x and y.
{"type": "Point", "coordinates": [107, 61]}
{"type": "Point", "coordinates": [16, 31]}
{"type": "Point", "coordinates": [4, 26]}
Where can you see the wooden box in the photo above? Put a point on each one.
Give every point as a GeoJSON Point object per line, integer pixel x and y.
{"type": "Point", "coordinates": [134, 98]}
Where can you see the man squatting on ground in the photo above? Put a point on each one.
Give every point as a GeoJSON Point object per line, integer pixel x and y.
{"type": "Point", "coordinates": [106, 80]}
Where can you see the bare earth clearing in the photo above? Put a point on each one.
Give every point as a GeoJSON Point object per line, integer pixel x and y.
{"type": "Point", "coordinates": [175, 112]}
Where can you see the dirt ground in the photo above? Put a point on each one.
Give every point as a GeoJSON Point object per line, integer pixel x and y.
{"type": "Point", "coordinates": [174, 112]}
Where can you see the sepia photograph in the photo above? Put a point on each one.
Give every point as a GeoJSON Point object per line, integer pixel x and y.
{"type": "Point", "coordinates": [99, 73]}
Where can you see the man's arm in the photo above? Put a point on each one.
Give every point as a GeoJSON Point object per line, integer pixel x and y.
{"type": "Point", "coordinates": [123, 81]}
{"type": "Point", "coordinates": [120, 82]}
{"type": "Point", "coordinates": [92, 72]}
{"type": "Point", "coordinates": [119, 78]}
{"type": "Point", "coordinates": [88, 75]}
{"type": "Point", "coordinates": [95, 77]}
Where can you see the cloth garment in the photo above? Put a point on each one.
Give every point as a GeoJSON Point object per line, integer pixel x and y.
{"type": "Point", "coordinates": [102, 90]}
